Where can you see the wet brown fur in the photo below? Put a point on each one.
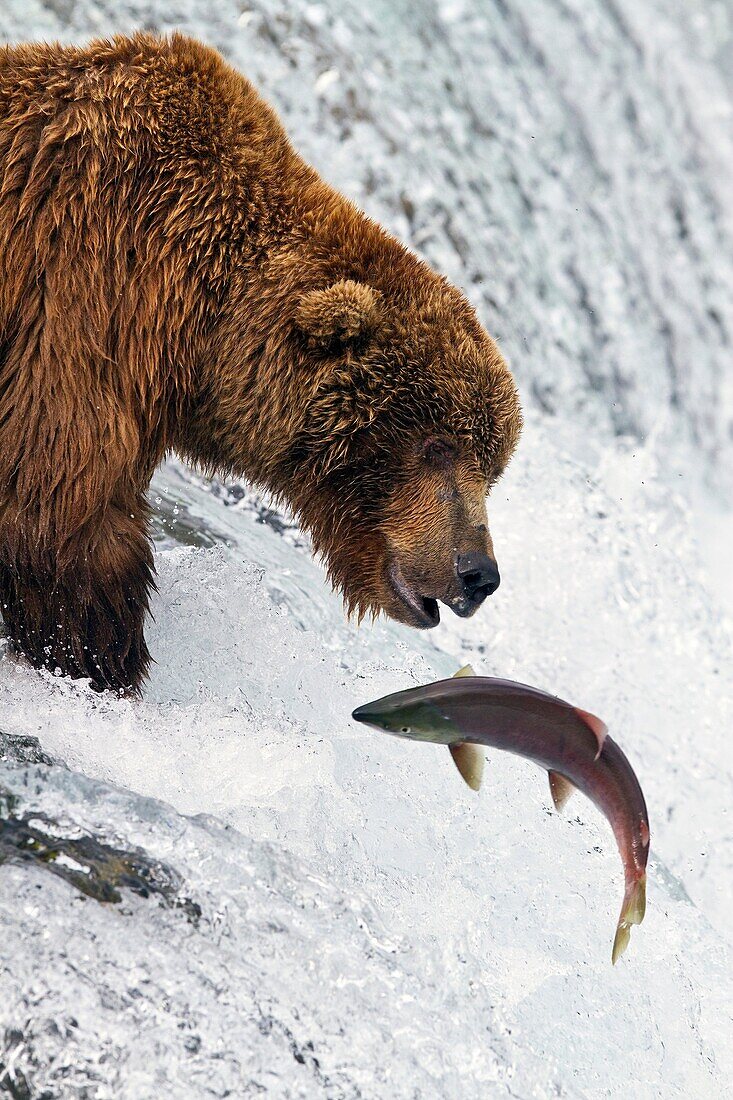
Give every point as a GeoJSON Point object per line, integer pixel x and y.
{"type": "Point", "coordinates": [173, 276]}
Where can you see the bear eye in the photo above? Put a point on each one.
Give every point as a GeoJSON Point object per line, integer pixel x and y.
{"type": "Point", "coordinates": [439, 449]}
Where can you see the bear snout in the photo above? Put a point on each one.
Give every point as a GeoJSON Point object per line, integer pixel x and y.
{"type": "Point", "coordinates": [478, 577]}
{"type": "Point", "coordinates": [474, 576]}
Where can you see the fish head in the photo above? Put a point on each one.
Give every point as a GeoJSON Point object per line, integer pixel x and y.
{"type": "Point", "coordinates": [406, 714]}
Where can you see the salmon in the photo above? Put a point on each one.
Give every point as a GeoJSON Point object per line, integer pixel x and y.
{"type": "Point", "coordinates": [570, 743]}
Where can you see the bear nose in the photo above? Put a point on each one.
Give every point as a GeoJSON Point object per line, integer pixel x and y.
{"type": "Point", "coordinates": [478, 575]}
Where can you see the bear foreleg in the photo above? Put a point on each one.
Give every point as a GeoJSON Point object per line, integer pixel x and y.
{"type": "Point", "coordinates": [80, 611]}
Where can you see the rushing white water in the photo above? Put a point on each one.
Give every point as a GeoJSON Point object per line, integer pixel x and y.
{"type": "Point", "coordinates": [368, 927]}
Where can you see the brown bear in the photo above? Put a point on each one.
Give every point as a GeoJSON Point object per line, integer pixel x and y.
{"type": "Point", "coordinates": [173, 276]}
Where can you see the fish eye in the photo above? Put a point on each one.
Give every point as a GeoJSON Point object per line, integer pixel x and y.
{"type": "Point", "coordinates": [405, 729]}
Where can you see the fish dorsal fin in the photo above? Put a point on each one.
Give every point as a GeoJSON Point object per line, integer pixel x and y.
{"type": "Point", "coordinates": [598, 727]}
{"type": "Point", "coordinates": [560, 789]}
{"type": "Point", "coordinates": [466, 670]}
{"type": "Point", "coordinates": [469, 759]}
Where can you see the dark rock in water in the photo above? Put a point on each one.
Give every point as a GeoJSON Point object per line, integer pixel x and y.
{"type": "Point", "coordinates": [24, 750]}
{"type": "Point", "coordinates": [94, 868]}
{"type": "Point", "coordinates": [171, 524]}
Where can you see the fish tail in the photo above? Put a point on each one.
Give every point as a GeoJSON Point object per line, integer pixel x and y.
{"type": "Point", "coordinates": [632, 912]}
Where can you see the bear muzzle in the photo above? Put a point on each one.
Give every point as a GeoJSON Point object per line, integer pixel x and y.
{"type": "Point", "coordinates": [475, 576]}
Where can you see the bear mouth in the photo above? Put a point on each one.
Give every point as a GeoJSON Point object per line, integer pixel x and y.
{"type": "Point", "coordinates": [424, 609]}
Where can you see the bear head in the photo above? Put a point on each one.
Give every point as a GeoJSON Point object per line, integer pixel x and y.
{"type": "Point", "coordinates": [411, 416]}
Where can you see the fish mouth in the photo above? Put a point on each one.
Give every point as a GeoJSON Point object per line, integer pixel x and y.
{"type": "Point", "coordinates": [367, 714]}
{"type": "Point", "coordinates": [424, 611]}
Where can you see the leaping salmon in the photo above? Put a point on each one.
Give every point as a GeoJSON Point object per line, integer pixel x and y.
{"type": "Point", "coordinates": [570, 743]}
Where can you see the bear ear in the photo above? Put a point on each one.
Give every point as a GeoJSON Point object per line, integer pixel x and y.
{"type": "Point", "coordinates": [343, 312]}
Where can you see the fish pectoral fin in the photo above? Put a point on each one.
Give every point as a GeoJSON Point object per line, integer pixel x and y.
{"type": "Point", "coordinates": [466, 670]}
{"type": "Point", "coordinates": [599, 728]}
{"type": "Point", "coordinates": [469, 759]}
{"type": "Point", "coordinates": [560, 789]}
